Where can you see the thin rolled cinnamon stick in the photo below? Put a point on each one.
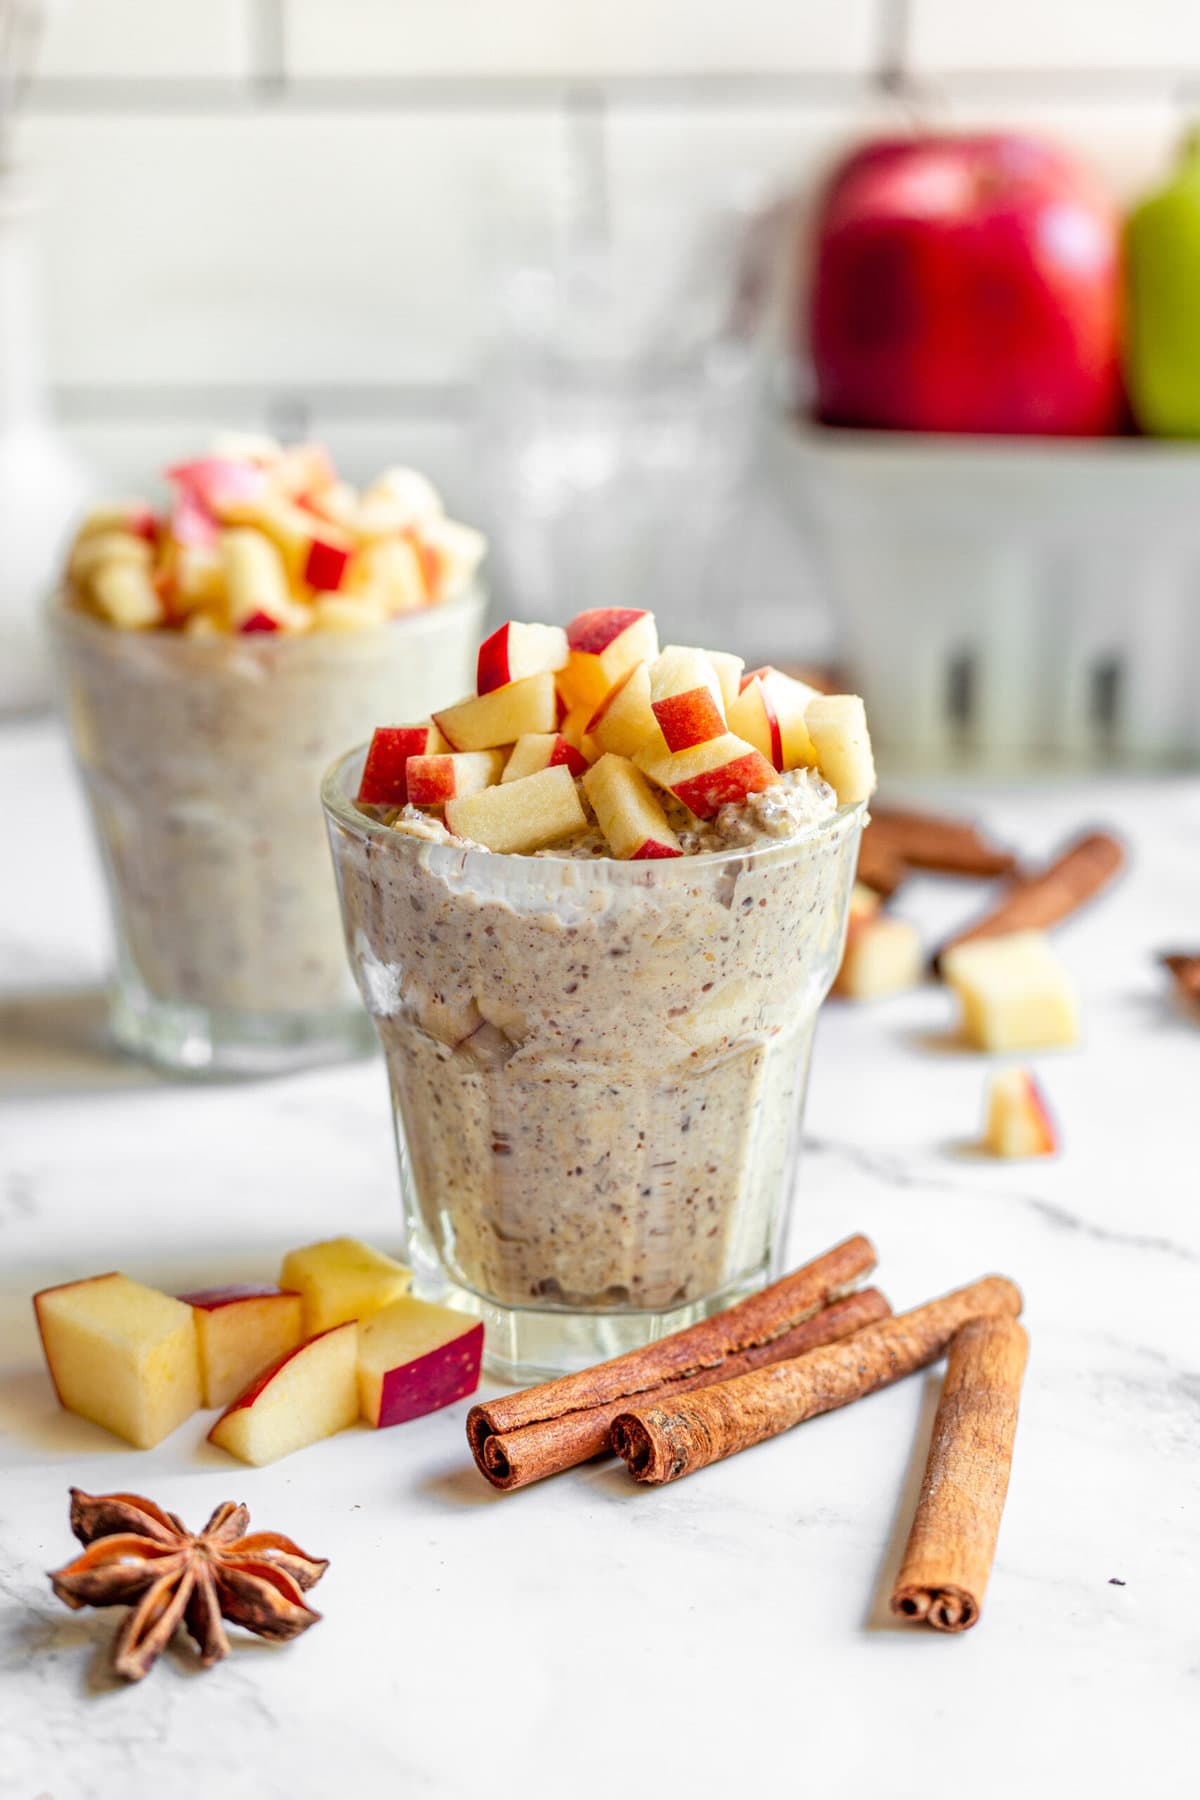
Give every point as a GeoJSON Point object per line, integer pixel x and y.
{"type": "Point", "coordinates": [879, 867]}
{"type": "Point", "coordinates": [1184, 966]}
{"type": "Point", "coordinates": [1037, 901]}
{"type": "Point", "coordinates": [929, 841]}
{"type": "Point", "coordinates": [757, 1320]}
{"type": "Point", "coordinates": [948, 1560]}
{"type": "Point", "coordinates": [660, 1443]}
{"type": "Point", "coordinates": [514, 1459]}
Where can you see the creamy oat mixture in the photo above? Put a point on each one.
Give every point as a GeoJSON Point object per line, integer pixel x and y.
{"type": "Point", "coordinates": [596, 1064]}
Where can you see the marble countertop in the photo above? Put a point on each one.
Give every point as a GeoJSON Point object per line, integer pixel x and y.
{"type": "Point", "coordinates": [727, 1635]}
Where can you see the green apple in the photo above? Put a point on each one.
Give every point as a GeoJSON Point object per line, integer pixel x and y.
{"type": "Point", "coordinates": [1162, 328]}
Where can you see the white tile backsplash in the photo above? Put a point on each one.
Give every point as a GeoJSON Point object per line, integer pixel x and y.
{"type": "Point", "coordinates": [98, 40]}
{"type": "Point", "coordinates": [278, 247]}
{"type": "Point", "coordinates": [1049, 35]}
{"type": "Point", "coordinates": [575, 38]}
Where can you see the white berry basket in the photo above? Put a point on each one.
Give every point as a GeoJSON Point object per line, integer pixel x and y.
{"type": "Point", "coordinates": [1005, 600]}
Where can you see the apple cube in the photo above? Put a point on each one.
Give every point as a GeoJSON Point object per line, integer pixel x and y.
{"type": "Point", "coordinates": [413, 1358]}
{"type": "Point", "coordinates": [707, 777]}
{"type": "Point", "coordinates": [1018, 1119]}
{"type": "Point", "coordinates": [769, 713]}
{"type": "Point", "coordinates": [101, 549]}
{"type": "Point", "coordinates": [397, 500]}
{"type": "Point", "coordinates": [129, 518]}
{"type": "Point", "coordinates": [384, 778]}
{"type": "Point", "coordinates": [501, 717]}
{"type": "Point", "coordinates": [256, 580]}
{"type": "Point", "coordinates": [882, 956]}
{"type": "Point", "coordinates": [604, 644]}
{"type": "Point", "coordinates": [229, 488]}
{"type": "Point", "coordinates": [309, 1394]}
{"type": "Point", "coordinates": [1014, 992]}
{"type": "Point", "coordinates": [542, 750]}
{"type": "Point", "coordinates": [624, 722]}
{"type": "Point", "coordinates": [630, 816]}
{"type": "Point", "coordinates": [342, 1278]}
{"type": "Point", "coordinates": [125, 593]}
{"type": "Point", "coordinates": [347, 612]}
{"type": "Point", "coordinates": [388, 571]}
{"type": "Point", "coordinates": [516, 650]}
{"type": "Point", "coordinates": [449, 553]}
{"type": "Point", "coordinates": [520, 816]}
{"type": "Point", "coordinates": [729, 674]}
{"type": "Point", "coordinates": [432, 780]}
{"type": "Point", "coordinates": [837, 725]}
{"type": "Point", "coordinates": [241, 1331]}
{"type": "Point", "coordinates": [121, 1354]}
{"type": "Point", "coordinates": [574, 727]}
{"type": "Point", "coordinates": [685, 697]}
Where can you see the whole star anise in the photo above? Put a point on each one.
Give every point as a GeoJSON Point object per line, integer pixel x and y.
{"type": "Point", "coordinates": [139, 1556]}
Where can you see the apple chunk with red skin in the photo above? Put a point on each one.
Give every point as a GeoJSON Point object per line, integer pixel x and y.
{"type": "Point", "coordinates": [604, 644]}
{"type": "Point", "coordinates": [241, 1330]}
{"type": "Point", "coordinates": [624, 722]}
{"type": "Point", "coordinates": [722, 772]}
{"type": "Point", "coordinates": [307, 1395]}
{"type": "Point", "coordinates": [432, 780]}
{"type": "Point", "coordinates": [414, 1357]}
{"type": "Point", "coordinates": [516, 650]}
{"type": "Point", "coordinates": [520, 816]}
{"type": "Point", "coordinates": [769, 713]}
{"type": "Point", "coordinates": [384, 779]}
{"type": "Point", "coordinates": [121, 1354]}
{"type": "Point", "coordinates": [1018, 1119]}
{"type": "Point", "coordinates": [685, 697]}
{"type": "Point", "coordinates": [630, 816]}
{"type": "Point", "coordinates": [486, 721]}
{"type": "Point", "coordinates": [542, 750]}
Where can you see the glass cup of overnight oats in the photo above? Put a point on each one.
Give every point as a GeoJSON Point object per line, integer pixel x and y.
{"type": "Point", "coordinates": [212, 659]}
{"type": "Point", "coordinates": [597, 999]}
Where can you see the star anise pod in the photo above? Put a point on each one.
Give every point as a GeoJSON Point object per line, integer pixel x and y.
{"type": "Point", "coordinates": [139, 1556]}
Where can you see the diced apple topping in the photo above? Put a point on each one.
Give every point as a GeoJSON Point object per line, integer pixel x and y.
{"type": "Point", "coordinates": [414, 1357]}
{"type": "Point", "coordinates": [384, 780]}
{"type": "Point", "coordinates": [502, 716]}
{"type": "Point", "coordinates": [624, 722]}
{"type": "Point", "coordinates": [342, 1278]}
{"type": "Point", "coordinates": [1014, 992]}
{"type": "Point", "coordinates": [432, 780]}
{"type": "Point", "coordinates": [280, 545]}
{"type": "Point", "coordinates": [121, 1354]}
{"type": "Point", "coordinates": [573, 725]}
{"type": "Point", "coordinates": [604, 645]}
{"type": "Point", "coordinates": [309, 1394]}
{"type": "Point", "coordinates": [1018, 1119]}
{"type": "Point", "coordinates": [837, 725]}
{"type": "Point", "coordinates": [722, 772]}
{"type": "Point", "coordinates": [542, 750]}
{"type": "Point", "coordinates": [520, 816]}
{"type": "Point", "coordinates": [516, 650]}
{"type": "Point", "coordinates": [241, 1331]}
{"type": "Point", "coordinates": [769, 713]}
{"type": "Point", "coordinates": [630, 816]}
{"type": "Point", "coordinates": [729, 674]}
{"type": "Point", "coordinates": [685, 697]}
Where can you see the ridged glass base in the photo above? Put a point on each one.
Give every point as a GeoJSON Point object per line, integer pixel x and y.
{"type": "Point", "coordinates": [194, 1041]}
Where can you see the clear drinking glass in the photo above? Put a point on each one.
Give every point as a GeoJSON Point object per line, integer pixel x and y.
{"type": "Point", "coordinates": [202, 760]}
{"type": "Point", "coordinates": [597, 1068]}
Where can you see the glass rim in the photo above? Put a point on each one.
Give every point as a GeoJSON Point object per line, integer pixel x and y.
{"type": "Point", "coordinates": [340, 808]}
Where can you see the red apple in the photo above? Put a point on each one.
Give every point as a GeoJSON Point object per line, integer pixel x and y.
{"type": "Point", "coordinates": [969, 284]}
{"type": "Point", "coordinates": [259, 621]}
{"type": "Point", "coordinates": [515, 650]}
{"type": "Point", "coordinates": [325, 564]}
{"type": "Point", "coordinates": [384, 780]}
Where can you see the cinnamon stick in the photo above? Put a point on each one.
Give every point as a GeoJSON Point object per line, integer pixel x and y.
{"type": "Point", "coordinates": [929, 841]}
{"type": "Point", "coordinates": [662, 1442]}
{"type": "Point", "coordinates": [953, 1538]}
{"type": "Point", "coordinates": [879, 866]}
{"type": "Point", "coordinates": [1037, 901]}
{"type": "Point", "coordinates": [556, 1406]}
{"type": "Point", "coordinates": [514, 1459]}
{"type": "Point", "coordinates": [1185, 969]}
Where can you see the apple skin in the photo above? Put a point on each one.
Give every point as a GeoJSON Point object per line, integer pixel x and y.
{"type": "Point", "coordinates": [729, 784]}
{"type": "Point", "coordinates": [249, 1395]}
{"type": "Point", "coordinates": [212, 1299]}
{"type": "Point", "coordinates": [258, 621]}
{"type": "Point", "coordinates": [653, 851]}
{"type": "Point", "coordinates": [592, 632]}
{"type": "Point", "coordinates": [384, 778]}
{"type": "Point", "coordinates": [689, 718]}
{"type": "Point", "coordinates": [967, 284]}
{"type": "Point", "coordinates": [432, 1381]}
{"type": "Point", "coordinates": [325, 566]}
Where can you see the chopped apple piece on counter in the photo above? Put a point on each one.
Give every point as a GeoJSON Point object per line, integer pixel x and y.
{"type": "Point", "coordinates": [241, 1331]}
{"type": "Point", "coordinates": [432, 780]}
{"type": "Point", "coordinates": [1018, 1120]}
{"type": "Point", "coordinates": [883, 956]}
{"type": "Point", "coordinates": [121, 1354]}
{"type": "Point", "coordinates": [624, 722]}
{"type": "Point", "coordinates": [520, 816]}
{"type": "Point", "coordinates": [633, 822]}
{"type": "Point", "coordinates": [516, 650]}
{"type": "Point", "coordinates": [542, 750]}
{"type": "Point", "coordinates": [837, 725]}
{"type": "Point", "coordinates": [486, 721]}
{"type": "Point", "coordinates": [384, 779]}
{"type": "Point", "coordinates": [769, 713]}
{"type": "Point", "coordinates": [413, 1358]}
{"type": "Point", "coordinates": [342, 1278]}
{"type": "Point", "coordinates": [309, 1394]}
{"type": "Point", "coordinates": [604, 645]}
{"type": "Point", "coordinates": [709, 776]}
{"type": "Point", "coordinates": [1015, 994]}
{"type": "Point", "coordinates": [685, 697]}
